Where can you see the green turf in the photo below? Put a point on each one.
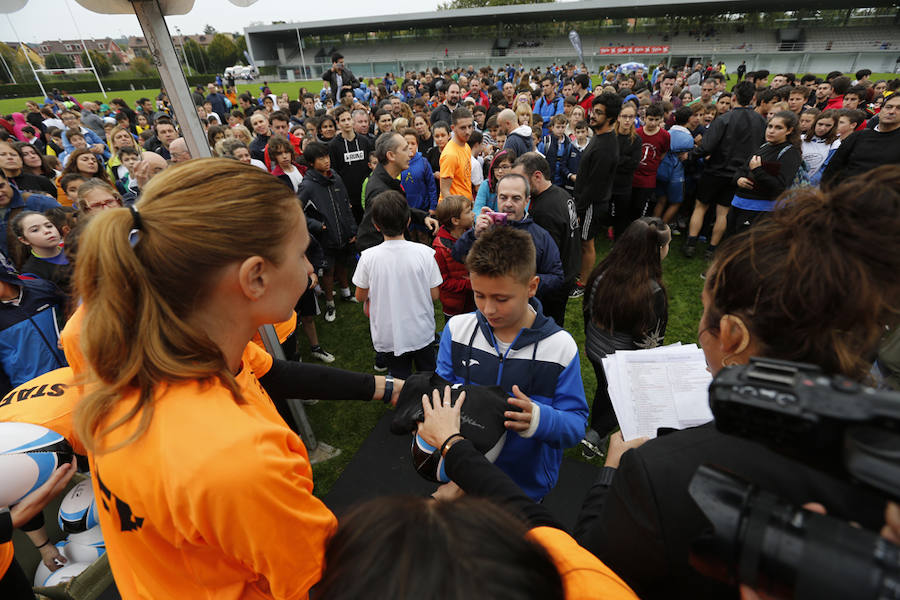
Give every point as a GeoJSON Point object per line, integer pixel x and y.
{"type": "Point", "coordinates": [346, 424]}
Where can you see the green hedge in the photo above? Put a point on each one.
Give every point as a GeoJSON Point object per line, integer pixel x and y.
{"type": "Point", "coordinates": [85, 85]}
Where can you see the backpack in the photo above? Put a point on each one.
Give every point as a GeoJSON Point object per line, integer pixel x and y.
{"type": "Point", "coordinates": [801, 177]}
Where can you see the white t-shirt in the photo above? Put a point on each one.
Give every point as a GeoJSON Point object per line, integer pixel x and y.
{"type": "Point", "coordinates": [399, 276]}
{"type": "Point", "coordinates": [477, 172]}
{"type": "Point", "coordinates": [296, 178]}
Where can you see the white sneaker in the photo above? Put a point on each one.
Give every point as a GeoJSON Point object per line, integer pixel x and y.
{"type": "Point", "coordinates": [350, 298]}
{"type": "Point", "coordinates": [330, 313]}
{"type": "Point", "coordinates": [321, 354]}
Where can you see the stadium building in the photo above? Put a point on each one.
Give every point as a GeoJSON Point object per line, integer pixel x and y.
{"type": "Point", "coordinates": [815, 37]}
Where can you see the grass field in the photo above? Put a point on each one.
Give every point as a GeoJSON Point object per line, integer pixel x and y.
{"type": "Point", "coordinates": [346, 424]}
{"type": "Point", "coordinates": [11, 105]}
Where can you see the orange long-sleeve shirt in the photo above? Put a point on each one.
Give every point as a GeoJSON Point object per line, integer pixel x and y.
{"type": "Point", "coordinates": [213, 500]}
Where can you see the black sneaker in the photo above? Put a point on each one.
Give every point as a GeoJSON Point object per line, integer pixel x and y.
{"type": "Point", "coordinates": [350, 298]}
{"type": "Point", "coordinates": [689, 250]}
{"type": "Point", "coordinates": [319, 353]}
{"type": "Point", "coordinates": [709, 254]}
{"type": "Point", "coordinates": [592, 445]}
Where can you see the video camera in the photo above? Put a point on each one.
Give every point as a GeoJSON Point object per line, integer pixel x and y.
{"type": "Point", "coordinates": [832, 424]}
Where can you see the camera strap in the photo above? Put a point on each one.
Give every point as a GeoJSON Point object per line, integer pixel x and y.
{"type": "Point", "coordinates": [757, 521]}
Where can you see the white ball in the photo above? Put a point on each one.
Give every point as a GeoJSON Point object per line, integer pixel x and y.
{"type": "Point", "coordinates": [84, 547]}
{"type": "Point", "coordinates": [78, 510]}
{"type": "Point", "coordinates": [42, 574]}
{"type": "Point", "coordinates": [66, 573]}
{"type": "Point", "coordinates": [29, 455]}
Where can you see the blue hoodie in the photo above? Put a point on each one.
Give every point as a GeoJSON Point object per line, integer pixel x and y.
{"type": "Point", "coordinates": [543, 361]}
{"type": "Point", "coordinates": [419, 184]}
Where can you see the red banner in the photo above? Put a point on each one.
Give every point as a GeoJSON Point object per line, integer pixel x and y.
{"type": "Point", "coordinates": [634, 50]}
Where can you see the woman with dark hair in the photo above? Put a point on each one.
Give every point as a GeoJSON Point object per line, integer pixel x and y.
{"type": "Point", "coordinates": [487, 191]}
{"type": "Point", "coordinates": [84, 163]}
{"type": "Point", "coordinates": [493, 543]}
{"type": "Point", "coordinates": [326, 129]}
{"type": "Point", "coordinates": [817, 283]}
{"type": "Point", "coordinates": [630, 144]}
{"type": "Point", "coordinates": [819, 143]}
{"type": "Point", "coordinates": [769, 172]}
{"type": "Point", "coordinates": [625, 307]}
{"type": "Point", "coordinates": [35, 163]}
{"type": "Point", "coordinates": [13, 164]}
{"type": "Point", "coordinates": [422, 125]}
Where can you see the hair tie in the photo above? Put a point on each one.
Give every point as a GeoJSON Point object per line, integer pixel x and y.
{"type": "Point", "coordinates": [134, 235]}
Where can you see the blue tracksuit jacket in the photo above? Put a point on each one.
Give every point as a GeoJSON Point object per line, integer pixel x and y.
{"type": "Point", "coordinates": [543, 361]}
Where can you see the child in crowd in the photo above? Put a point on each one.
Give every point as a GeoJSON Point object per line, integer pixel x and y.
{"type": "Point", "coordinates": [308, 307]}
{"type": "Point", "coordinates": [555, 147]}
{"type": "Point", "coordinates": [324, 199]}
{"type": "Point", "coordinates": [41, 251]}
{"type": "Point", "coordinates": [670, 173]}
{"type": "Point", "coordinates": [76, 138]}
{"type": "Point", "coordinates": [509, 342]}
{"type": "Point", "coordinates": [476, 147]}
{"type": "Point", "coordinates": [655, 144]}
{"type": "Point", "coordinates": [372, 161]}
{"type": "Point", "coordinates": [455, 215]}
{"type": "Point", "coordinates": [281, 152]}
{"type": "Point", "coordinates": [573, 159]}
{"type": "Point", "coordinates": [399, 281]}
{"type": "Point", "coordinates": [69, 183]}
{"type": "Point", "coordinates": [126, 183]}
{"type": "Point", "coordinates": [487, 193]}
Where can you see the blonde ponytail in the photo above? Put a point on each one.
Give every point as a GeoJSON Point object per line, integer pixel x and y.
{"type": "Point", "coordinates": [140, 288]}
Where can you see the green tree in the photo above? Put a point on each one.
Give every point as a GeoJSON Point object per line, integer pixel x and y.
{"type": "Point", "coordinates": [101, 63]}
{"type": "Point", "coordinates": [16, 63]}
{"type": "Point", "coordinates": [114, 59]}
{"type": "Point", "coordinates": [142, 67]}
{"type": "Point", "coordinates": [221, 52]}
{"type": "Point", "coordinates": [479, 3]}
{"type": "Point", "coordinates": [196, 55]}
{"type": "Point", "coordinates": [241, 43]}
{"type": "Point", "coordinates": [58, 61]}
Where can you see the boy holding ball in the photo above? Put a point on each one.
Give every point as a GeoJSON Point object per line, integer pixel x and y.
{"type": "Point", "coordinates": [509, 342]}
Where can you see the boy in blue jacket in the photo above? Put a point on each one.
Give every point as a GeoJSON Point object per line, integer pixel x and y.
{"type": "Point", "coordinates": [510, 343]}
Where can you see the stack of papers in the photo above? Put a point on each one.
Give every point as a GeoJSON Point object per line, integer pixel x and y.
{"type": "Point", "coordinates": [660, 387]}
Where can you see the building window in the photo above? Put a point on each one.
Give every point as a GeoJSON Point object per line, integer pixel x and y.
{"type": "Point", "coordinates": [101, 46]}
{"type": "Point", "coordinates": [69, 47]}
{"type": "Point", "coordinates": [45, 48]}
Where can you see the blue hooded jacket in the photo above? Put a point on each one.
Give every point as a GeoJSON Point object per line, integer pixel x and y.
{"type": "Point", "coordinates": [543, 361]}
{"type": "Point", "coordinates": [419, 184]}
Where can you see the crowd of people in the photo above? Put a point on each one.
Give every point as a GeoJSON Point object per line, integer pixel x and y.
{"type": "Point", "coordinates": [484, 190]}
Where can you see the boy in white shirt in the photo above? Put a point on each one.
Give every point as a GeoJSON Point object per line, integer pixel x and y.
{"type": "Point", "coordinates": [398, 282]}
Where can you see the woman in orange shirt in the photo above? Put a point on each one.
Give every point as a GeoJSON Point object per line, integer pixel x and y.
{"type": "Point", "coordinates": [205, 492]}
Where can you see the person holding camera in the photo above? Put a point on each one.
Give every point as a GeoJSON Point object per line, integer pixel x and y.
{"type": "Point", "coordinates": [339, 76]}
{"type": "Point", "coordinates": [776, 291]}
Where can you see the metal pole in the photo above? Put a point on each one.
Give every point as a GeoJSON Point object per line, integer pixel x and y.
{"type": "Point", "coordinates": [84, 45]}
{"type": "Point", "coordinates": [184, 51]}
{"type": "Point", "coordinates": [302, 60]}
{"type": "Point", "coordinates": [163, 52]}
{"type": "Point", "coordinates": [8, 70]}
{"type": "Point", "coordinates": [28, 58]}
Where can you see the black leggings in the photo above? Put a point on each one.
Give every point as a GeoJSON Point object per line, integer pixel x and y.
{"type": "Point", "coordinates": [14, 585]}
{"type": "Point", "coordinates": [603, 417]}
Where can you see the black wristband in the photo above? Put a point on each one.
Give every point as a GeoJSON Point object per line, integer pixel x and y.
{"type": "Point", "coordinates": [388, 389]}
{"type": "Point", "coordinates": [443, 449]}
{"type": "Point", "coordinates": [44, 544]}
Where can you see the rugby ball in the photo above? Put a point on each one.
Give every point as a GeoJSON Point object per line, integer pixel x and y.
{"type": "Point", "coordinates": [65, 574]}
{"type": "Point", "coordinates": [84, 547]}
{"type": "Point", "coordinates": [78, 510]}
{"type": "Point", "coordinates": [29, 455]}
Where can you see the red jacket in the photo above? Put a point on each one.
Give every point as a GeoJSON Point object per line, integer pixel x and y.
{"type": "Point", "coordinates": [456, 290]}
{"type": "Point", "coordinates": [835, 103]}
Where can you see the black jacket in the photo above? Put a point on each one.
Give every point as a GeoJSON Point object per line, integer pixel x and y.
{"type": "Point", "coordinates": [629, 160]}
{"type": "Point", "coordinates": [642, 525]}
{"type": "Point", "coordinates": [554, 210]}
{"type": "Point", "coordinates": [862, 151]}
{"type": "Point", "coordinates": [441, 113]}
{"type": "Point", "coordinates": [351, 161]}
{"type": "Point", "coordinates": [347, 79]}
{"type": "Point", "coordinates": [596, 172]}
{"type": "Point", "coordinates": [775, 174]}
{"type": "Point", "coordinates": [380, 181]}
{"type": "Point", "coordinates": [730, 141]}
{"type": "Point", "coordinates": [328, 214]}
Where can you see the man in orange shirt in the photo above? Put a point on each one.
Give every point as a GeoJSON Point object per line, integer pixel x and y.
{"type": "Point", "coordinates": [456, 159]}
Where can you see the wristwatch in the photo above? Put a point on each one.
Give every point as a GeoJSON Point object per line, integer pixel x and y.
{"type": "Point", "coordinates": [388, 389]}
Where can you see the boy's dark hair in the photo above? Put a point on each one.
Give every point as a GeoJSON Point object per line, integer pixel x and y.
{"type": "Point", "coordinates": [336, 57]}
{"type": "Point", "coordinates": [440, 125]}
{"type": "Point", "coordinates": [611, 102]}
{"type": "Point", "coordinates": [70, 133]}
{"type": "Point", "coordinates": [765, 96]}
{"type": "Point", "coordinates": [862, 73]}
{"type": "Point", "coordinates": [533, 161]}
{"type": "Point", "coordinates": [28, 129]}
{"type": "Point", "coordinates": [126, 150]}
{"type": "Point", "coordinates": [559, 119]}
{"type": "Point", "coordinates": [460, 113]}
{"type": "Point", "coordinates": [451, 207]}
{"type": "Point", "coordinates": [279, 116]}
{"type": "Point", "coordinates": [479, 109]}
{"type": "Point", "coordinates": [855, 115]}
{"type": "Point", "coordinates": [582, 124]}
{"type": "Point", "coordinates": [501, 252]}
{"type": "Point", "coordinates": [807, 78]}
{"type": "Point", "coordinates": [683, 114]}
{"type": "Point", "coordinates": [859, 91]}
{"type": "Point", "coordinates": [390, 213]}
{"type": "Point", "coordinates": [841, 85]}
{"type": "Point", "coordinates": [145, 135]}
{"type": "Point", "coordinates": [655, 110]}
{"type": "Point", "coordinates": [340, 110]}
{"type": "Point", "coordinates": [312, 151]}
{"type": "Point", "coordinates": [68, 178]}
{"type": "Point", "coordinates": [833, 75]}
{"type": "Point", "coordinates": [410, 131]}
{"type": "Point", "coordinates": [799, 91]}
{"type": "Point", "coordinates": [62, 216]}
{"type": "Point", "coordinates": [537, 119]}
{"type": "Point", "coordinates": [295, 106]}
{"type": "Point", "coordinates": [475, 138]}
{"type": "Point", "coordinates": [279, 144]}
{"type": "Point", "coordinates": [743, 92]}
